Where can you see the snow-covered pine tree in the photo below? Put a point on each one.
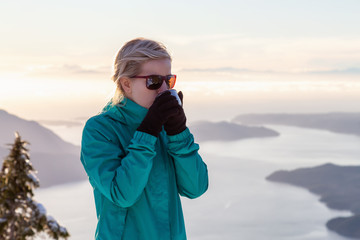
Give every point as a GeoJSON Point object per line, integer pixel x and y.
{"type": "Point", "coordinates": [20, 216]}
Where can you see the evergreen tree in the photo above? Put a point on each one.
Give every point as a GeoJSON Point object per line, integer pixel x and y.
{"type": "Point", "coordinates": [20, 216]}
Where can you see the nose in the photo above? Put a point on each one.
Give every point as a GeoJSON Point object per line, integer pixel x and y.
{"type": "Point", "coordinates": [163, 87]}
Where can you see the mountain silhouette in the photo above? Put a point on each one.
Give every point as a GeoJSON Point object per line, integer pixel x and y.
{"type": "Point", "coordinates": [337, 122]}
{"type": "Point", "coordinates": [226, 131]}
{"type": "Point", "coordinates": [56, 160]}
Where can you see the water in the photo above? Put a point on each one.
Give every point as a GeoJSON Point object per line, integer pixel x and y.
{"type": "Point", "coordinates": [240, 203]}
{"type": "Point", "coordinates": [296, 147]}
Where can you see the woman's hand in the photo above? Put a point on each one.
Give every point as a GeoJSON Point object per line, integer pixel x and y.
{"type": "Point", "coordinates": [164, 107]}
{"type": "Point", "coordinates": [177, 122]}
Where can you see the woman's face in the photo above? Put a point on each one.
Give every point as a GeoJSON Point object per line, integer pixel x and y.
{"type": "Point", "coordinates": [138, 91]}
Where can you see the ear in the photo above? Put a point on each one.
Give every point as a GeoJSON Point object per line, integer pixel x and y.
{"type": "Point", "coordinates": [126, 85]}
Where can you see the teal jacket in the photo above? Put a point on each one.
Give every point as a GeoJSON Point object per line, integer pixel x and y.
{"type": "Point", "coordinates": [137, 178]}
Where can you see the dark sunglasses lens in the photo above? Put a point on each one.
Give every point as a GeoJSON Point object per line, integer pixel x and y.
{"type": "Point", "coordinates": [154, 82]}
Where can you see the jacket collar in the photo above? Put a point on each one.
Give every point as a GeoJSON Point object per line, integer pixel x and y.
{"type": "Point", "coordinates": [127, 111]}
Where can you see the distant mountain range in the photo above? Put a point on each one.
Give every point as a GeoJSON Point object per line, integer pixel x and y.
{"type": "Point", "coordinates": [338, 187]}
{"type": "Point", "coordinates": [226, 131]}
{"type": "Point", "coordinates": [346, 123]}
{"type": "Point", "coordinates": [56, 161]}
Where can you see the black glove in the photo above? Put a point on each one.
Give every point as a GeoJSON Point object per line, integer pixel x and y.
{"type": "Point", "coordinates": [177, 122]}
{"type": "Point", "coordinates": [160, 111]}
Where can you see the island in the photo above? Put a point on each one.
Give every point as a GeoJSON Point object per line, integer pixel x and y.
{"type": "Point", "coordinates": [337, 122]}
{"type": "Point", "coordinates": [227, 131]}
{"type": "Point", "coordinates": [338, 187]}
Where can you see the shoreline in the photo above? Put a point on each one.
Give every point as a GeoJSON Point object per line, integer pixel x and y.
{"type": "Point", "coordinates": [330, 182]}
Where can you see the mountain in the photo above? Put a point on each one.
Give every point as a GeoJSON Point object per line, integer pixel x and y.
{"type": "Point", "coordinates": [346, 123]}
{"type": "Point", "coordinates": [226, 131]}
{"type": "Point", "coordinates": [338, 187]}
{"type": "Point", "coordinates": [56, 161]}
{"type": "Point", "coordinates": [41, 138]}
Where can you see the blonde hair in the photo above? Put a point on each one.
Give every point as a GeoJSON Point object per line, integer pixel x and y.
{"type": "Point", "coordinates": [130, 58]}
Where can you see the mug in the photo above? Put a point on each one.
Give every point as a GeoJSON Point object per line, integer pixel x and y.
{"type": "Point", "coordinates": [174, 93]}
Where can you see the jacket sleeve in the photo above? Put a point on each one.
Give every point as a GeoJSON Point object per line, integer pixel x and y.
{"type": "Point", "coordinates": [191, 172]}
{"type": "Point", "coordinates": [121, 177]}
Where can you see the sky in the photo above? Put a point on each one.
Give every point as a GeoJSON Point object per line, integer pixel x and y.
{"type": "Point", "coordinates": [56, 57]}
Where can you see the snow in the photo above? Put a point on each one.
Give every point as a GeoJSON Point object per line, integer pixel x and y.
{"type": "Point", "coordinates": [63, 230]}
{"type": "Point", "coordinates": [41, 209]}
{"type": "Point", "coordinates": [50, 219]}
{"type": "Point", "coordinates": [33, 177]}
{"type": "Point", "coordinates": [53, 225]}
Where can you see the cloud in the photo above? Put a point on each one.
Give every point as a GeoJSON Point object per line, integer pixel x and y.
{"type": "Point", "coordinates": [67, 70]}
{"type": "Point", "coordinates": [60, 123]}
{"type": "Point", "coordinates": [223, 69]}
{"type": "Point", "coordinates": [338, 71]}
{"type": "Point", "coordinates": [77, 69]}
{"type": "Point", "coordinates": [246, 70]}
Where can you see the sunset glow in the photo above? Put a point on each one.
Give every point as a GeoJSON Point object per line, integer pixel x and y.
{"type": "Point", "coordinates": [63, 53]}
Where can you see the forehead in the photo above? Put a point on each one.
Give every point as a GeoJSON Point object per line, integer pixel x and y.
{"type": "Point", "coordinates": [156, 67]}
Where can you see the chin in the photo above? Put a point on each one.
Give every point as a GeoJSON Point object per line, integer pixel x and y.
{"type": "Point", "coordinates": [147, 105]}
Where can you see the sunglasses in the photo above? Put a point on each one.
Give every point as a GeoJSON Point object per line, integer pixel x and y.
{"type": "Point", "coordinates": [154, 82]}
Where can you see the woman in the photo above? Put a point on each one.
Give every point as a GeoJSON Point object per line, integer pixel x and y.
{"type": "Point", "coordinates": [139, 154]}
